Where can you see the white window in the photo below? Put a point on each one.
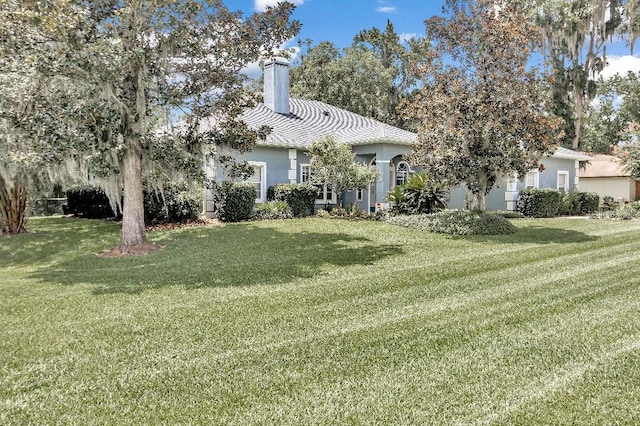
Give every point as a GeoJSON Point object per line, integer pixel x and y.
{"type": "Point", "coordinates": [259, 179]}
{"type": "Point", "coordinates": [563, 180]}
{"type": "Point", "coordinates": [533, 179]}
{"type": "Point", "coordinates": [359, 194]}
{"type": "Point", "coordinates": [402, 172]}
{"type": "Point", "coordinates": [326, 194]}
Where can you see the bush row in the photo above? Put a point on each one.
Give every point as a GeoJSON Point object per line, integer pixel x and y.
{"type": "Point", "coordinates": [545, 202]}
{"type": "Point", "coordinates": [175, 204]}
{"type": "Point", "coordinates": [457, 222]}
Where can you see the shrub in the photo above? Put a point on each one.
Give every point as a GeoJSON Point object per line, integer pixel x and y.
{"type": "Point", "coordinates": [538, 202]}
{"type": "Point", "coordinates": [589, 202]}
{"type": "Point", "coordinates": [419, 194]}
{"type": "Point", "coordinates": [273, 210]}
{"type": "Point", "coordinates": [352, 212]}
{"type": "Point", "coordinates": [301, 197]}
{"type": "Point", "coordinates": [457, 222]}
{"type": "Point", "coordinates": [570, 203]}
{"type": "Point", "coordinates": [626, 211]}
{"type": "Point", "coordinates": [233, 202]}
{"type": "Point", "coordinates": [88, 202]}
{"type": "Point", "coordinates": [174, 204]}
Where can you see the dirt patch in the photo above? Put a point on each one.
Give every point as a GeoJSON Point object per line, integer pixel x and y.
{"type": "Point", "coordinates": [194, 224]}
{"type": "Point", "coordinates": [139, 250]}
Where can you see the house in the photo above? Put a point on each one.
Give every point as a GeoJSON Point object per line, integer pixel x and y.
{"type": "Point", "coordinates": [297, 123]}
{"type": "Point", "coordinates": [605, 176]}
{"type": "Point", "coordinates": [561, 172]}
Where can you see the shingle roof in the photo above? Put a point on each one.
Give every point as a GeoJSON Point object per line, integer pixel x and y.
{"type": "Point", "coordinates": [310, 120]}
{"type": "Point", "coordinates": [603, 166]}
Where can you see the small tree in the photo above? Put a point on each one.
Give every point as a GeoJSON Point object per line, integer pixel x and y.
{"type": "Point", "coordinates": [482, 112]}
{"type": "Point", "coordinates": [334, 165]}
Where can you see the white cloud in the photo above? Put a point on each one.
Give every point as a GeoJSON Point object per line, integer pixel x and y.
{"type": "Point", "coordinates": [620, 65]}
{"type": "Point", "coordinates": [253, 70]}
{"type": "Point", "coordinates": [409, 36]}
{"type": "Point", "coordinates": [261, 5]}
{"type": "Point", "coordinates": [386, 9]}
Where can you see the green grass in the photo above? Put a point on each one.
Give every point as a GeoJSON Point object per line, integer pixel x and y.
{"type": "Point", "coordinates": [322, 321]}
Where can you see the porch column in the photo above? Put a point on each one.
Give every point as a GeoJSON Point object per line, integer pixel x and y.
{"type": "Point", "coordinates": [511, 192]}
{"type": "Point", "coordinates": [382, 186]}
{"type": "Point", "coordinates": [293, 166]}
{"type": "Point", "coordinates": [210, 170]}
{"type": "Point", "coordinates": [576, 178]}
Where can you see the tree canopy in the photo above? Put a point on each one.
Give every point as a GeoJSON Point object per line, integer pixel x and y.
{"type": "Point", "coordinates": [334, 165]}
{"type": "Point", "coordinates": [575, 35]}
{"type": "Point", "coordinates": [143, 61]}
{"type": "Point", "coordinates": [482, 111]}
{"type": "Point", "coordinates": [368, 78]}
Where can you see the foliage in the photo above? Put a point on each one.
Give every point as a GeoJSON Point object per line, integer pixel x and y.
{"type": "Point", "coordinates": [570, 204]}
{"type": "Point", "coordinates": [574, 203]}
{"type": "Point", "coordinates": [419, 194]}
{"type": "Point", "coordinates": [233, 201]}
{"type": "Point", "coordinates": [173, 203]}
{"type": "Point", "coordinates": [136, 63]}
{"type": "Point", "coordinates": [352, 212]}
{"type": "Point", "coordinates": [575, 39]}
{"type": "Point", "coordinates": [482, 112]}
{"type": "Point", "coordinates": [301, 197]}
{"type": "Point", "coordinates": [333, 164]}
{"type": "Point", "coordinates": [457, 222]}
{"type": "Point", "coordinates": [273, 210]}
{"type": "Point", "coordinates": [368, 78]}
{"type": "Point", "coordinates": [88, 201]}
{"type": "Point", "coordinates": [589, 202]}
{"type": "Point", "coordinates": [538, 202]}
{"type": "Point", "coordinates": [623, 211]}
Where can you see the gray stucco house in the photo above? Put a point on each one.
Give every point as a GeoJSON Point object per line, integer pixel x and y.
{"type": "Point", "coordinates": [297, 123]}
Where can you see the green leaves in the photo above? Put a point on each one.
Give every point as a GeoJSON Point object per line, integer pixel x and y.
{"type": "Point", "coordinates": [333, 165]}
{"type": "Point", "coordinates": [482, 112]}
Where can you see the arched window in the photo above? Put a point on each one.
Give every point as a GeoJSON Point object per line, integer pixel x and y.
{"type": "Point", "coordinates": [402, 172]}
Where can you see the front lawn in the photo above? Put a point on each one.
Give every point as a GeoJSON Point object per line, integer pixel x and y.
{"type": "Point", "coordinates": [322, 321]}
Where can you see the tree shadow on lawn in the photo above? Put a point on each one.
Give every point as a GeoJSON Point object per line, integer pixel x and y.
{"type": "Point", "coordinates": [47, 239]}
{"type": "Point", "coordinates": [222, 256]}
{"type": "Point", "coordinates": [535, 235]}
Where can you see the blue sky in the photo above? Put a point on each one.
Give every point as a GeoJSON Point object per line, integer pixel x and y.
{"type": "Point", "coordinates": [339, 20]}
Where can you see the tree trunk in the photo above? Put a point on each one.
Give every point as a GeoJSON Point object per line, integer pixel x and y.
{"type": "Point", "coordinates": [133, 229]}
{"type": "Point", "coordinates": [577, 122]}
{"type": "Point", "coordinates": [13, 204]}
{"type": "Point", "coordinates": [478, 202]}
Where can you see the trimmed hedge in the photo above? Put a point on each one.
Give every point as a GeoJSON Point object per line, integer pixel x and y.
{"type": "Point", "coordinates": [589, 202]}
{"type": "Point", "coordinates": [301, 197]}
{"type": "Point", "coordinates": [174, 205]}
{"type": "Point", "coordinates": [539, 202]}
{"type": "Point", "coordinates": [457, 222]}
{"type": "Point", "coordinates": [89, 202]}
{"type": "Point", "coordinates": [273, 210]}
{"type": "Point", "coordinates": [233, 202]}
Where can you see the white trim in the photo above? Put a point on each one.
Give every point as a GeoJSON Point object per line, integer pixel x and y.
{"type": "Point", "coordinates": [409, 171]}
{"type": "Point", "coordinates": [262, 196]}
{"type": "Point", "coordinates": [535, 173]}
{"type": "Point", "coordinates": [567, 184]}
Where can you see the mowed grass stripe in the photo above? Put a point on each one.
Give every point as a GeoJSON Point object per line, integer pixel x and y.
{"type": "Point", "coordinates": [511, 334]}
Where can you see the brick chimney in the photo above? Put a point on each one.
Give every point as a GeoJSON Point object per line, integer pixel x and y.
{"type": "Point", "coordinates": [276, 85]}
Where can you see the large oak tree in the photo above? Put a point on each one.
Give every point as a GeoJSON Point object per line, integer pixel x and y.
{"type": "Point", "coordinates": [144, 60]}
